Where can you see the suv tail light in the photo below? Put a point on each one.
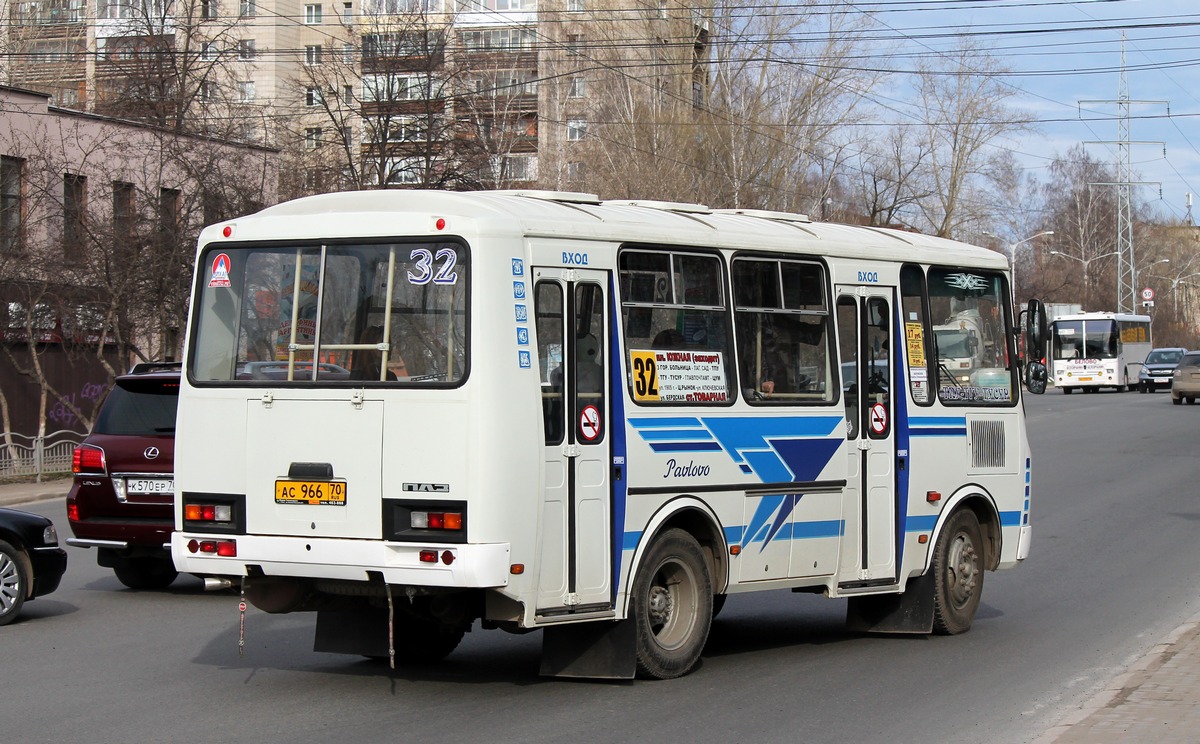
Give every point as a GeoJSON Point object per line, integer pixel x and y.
{"type": "Point", "coordinates": [88, 458]}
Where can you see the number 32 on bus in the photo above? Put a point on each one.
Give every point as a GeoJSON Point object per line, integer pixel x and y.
{"type": "Point", "coordinates": [408, 411]}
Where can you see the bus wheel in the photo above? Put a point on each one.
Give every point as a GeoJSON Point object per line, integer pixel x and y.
{"type": "Point", "coordinates": [672, 606]}
{"type": "Point", "coordinates": [1177, 401]}
{"type": "Point", "coordinates": [1066, 391]}
{"type": "Point", "coordinates": [958, 574]}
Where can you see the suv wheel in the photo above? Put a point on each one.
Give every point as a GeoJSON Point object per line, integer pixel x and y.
{"type": "Point", "coordinates": [146, 573]}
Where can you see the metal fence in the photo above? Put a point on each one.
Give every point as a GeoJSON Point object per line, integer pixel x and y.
{"type": "Point", "coordinates": [25, 455]}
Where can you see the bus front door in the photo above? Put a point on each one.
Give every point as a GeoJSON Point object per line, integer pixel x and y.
{"type": "Point", "coordinates": [575, 557]}
{"type": "Point", "coordinates": [864, 318]}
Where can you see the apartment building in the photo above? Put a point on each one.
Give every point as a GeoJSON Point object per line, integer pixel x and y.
{"type": "Point", "coordinates": [371, 93]}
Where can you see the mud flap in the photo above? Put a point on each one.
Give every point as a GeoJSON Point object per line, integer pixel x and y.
{"type": "Point", "coordinates": [352, 628]}
{"type": "Point", "coordinates": [910, 612]}
{"type": "Point", "coordinates": [597, 650]}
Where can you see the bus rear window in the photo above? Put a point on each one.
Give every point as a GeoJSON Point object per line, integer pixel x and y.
{"type": "Point", "coordinates": [340, 314]}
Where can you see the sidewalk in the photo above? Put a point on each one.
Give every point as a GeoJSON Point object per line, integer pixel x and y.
{"type": "Point", "coordinates": [12, 494]}
{"type": "Point", "coordinates": [1156, 700]}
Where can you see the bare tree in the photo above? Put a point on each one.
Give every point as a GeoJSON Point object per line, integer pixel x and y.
{"type": "Point", "coordinates": [964, 105]}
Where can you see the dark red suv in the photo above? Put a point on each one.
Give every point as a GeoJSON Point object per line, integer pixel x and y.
{"type": "Point", "coordinates": [121, 502]}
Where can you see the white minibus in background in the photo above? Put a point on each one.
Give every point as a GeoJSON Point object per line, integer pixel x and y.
{"type": "Point", "coordinates": [412, 411]}
{"type": "Point", "coordinates": [1089, 351]}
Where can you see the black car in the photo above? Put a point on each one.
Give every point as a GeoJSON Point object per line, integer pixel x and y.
{"type": "Point", "coordinates": [31, 563]}
{"type": "Point", "coordinates": [122, 500]}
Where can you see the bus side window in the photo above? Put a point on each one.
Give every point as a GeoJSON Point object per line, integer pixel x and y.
{"type": "Point", "coordinates": [548, 314]}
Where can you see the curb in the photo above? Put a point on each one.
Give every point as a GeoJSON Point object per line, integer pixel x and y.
{"type": "Point", "coordinates": [1119, 688]}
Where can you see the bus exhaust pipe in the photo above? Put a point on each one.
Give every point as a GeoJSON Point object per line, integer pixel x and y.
{"type": "Point", "coordinates": [213, 584]}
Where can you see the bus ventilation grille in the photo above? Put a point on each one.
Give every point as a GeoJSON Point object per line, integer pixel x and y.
{"type": "Point", "coordinates": [987, 444]}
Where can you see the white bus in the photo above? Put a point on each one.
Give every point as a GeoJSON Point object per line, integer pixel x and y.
{"type": "Point", "coordinates": [409, 411]}
{"type": "Point", "coordinates": [1089, 351]}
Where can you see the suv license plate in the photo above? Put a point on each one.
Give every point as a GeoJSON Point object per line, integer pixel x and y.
{"type": "Point", "coordinates": [148, 486]}
{"type": "Point", "coordinates": [310, 492]}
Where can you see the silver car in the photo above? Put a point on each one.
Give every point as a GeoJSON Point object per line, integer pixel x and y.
{"type": "Point", "coordinates": [1186, 380]}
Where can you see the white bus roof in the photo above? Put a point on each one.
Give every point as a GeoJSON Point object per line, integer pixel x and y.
{"type": "Point", "coordinates": [582, 216]}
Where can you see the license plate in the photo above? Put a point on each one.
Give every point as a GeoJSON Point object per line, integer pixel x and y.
{"type": "Point", "coordinates": [332, 493]}
{"type": "Point", "coordinates": [148, 486]}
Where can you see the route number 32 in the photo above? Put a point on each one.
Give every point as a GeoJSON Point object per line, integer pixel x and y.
{"type": "Point", "coordinates": [424, 270]}
{"type": "Point", "coordinates": [645, 375]}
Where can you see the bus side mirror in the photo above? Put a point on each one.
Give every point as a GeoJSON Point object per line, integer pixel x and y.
{"type": "Point", "coordinates": [1035, 346]}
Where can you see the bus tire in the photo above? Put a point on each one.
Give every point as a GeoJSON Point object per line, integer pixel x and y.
{"type": "Point", "coordinates": [421, 640]}
{"type": "Point", "coordinates": [958, 565]}
{"type": "Point", "coordinates": [719, 603]}
{"type": "Point", "coordinates": [1177, 401]}
{"type": "Point", "coordinates": [672, 606]}
{"type": "Point", "coordinates": [1066, 391]}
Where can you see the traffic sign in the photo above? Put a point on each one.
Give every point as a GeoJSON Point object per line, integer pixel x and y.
{"type": "Point", "coordinates": [1147, 294]}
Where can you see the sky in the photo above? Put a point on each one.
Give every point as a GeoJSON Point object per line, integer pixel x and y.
{"type": "Point", "coordinates": [1065, 62]}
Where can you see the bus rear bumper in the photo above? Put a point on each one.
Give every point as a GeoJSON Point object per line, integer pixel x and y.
{"type": "Point", "coordinates": [464, 566]}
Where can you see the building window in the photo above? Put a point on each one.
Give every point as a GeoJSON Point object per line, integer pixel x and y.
{"type": "Point", "coordinates": [518, 168]}
{"type": "Point", "coordinates": [348, 53]}
{"type": "Point", "coordinates": [312, 14]}
{"type": "Point", "coordinates": [348, 93]}
{"type": "Point", "coordinates": [575, 172]}
{"type": "Point", "coordinates": [662, 8]}
{"type": "Point", "coordinates": [576, 129]}
{"type": "Point", "coordinates": [247, 9]}
{"type": "Point", "coordinates": [246, 91]}
{"type": "Point", "coordinates": [574, 44]}
{"type": "Point", "coordinates": [207, 91]}
{"type": "Point", "coordinates": [123, 215]}
{"type": "Point", "coordinates": [512, 4]}
{"type": "Point", "coordinates": [12, 203]}
{"type": "Point", "coordinates": [209, 51]}
{"type": "Point", "coordinates": [312, 54]}
{"type": "Point", "coordinates": [347, 13]}
{"type": "Point", "coordinates": [575, 88]}
{"type": "Point", "coordinates": [208, 9]}
{"type": "Point", "coordinates": [246, 49]}
{"type": "Point", "coordinates": [312, 97]}
{"type": "Point", "coordinates": [74, 216]}
{"type": "Point", "coordinates": [576, 5]}
{"type": "Point", "coordinates": [312, 138]}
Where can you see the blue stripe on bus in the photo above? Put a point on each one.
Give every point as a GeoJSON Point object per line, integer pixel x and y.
{"type": "Point", "coordinates": [920, 524]}
{"type": "Point", "coordinates": [797, 531]}
{"type": "Point", "coordinates": [938, 420]}
{"type": "Point", "coordinates": [680, 434]}
{"type": "Point", "coordinates": [1010, 519]}
{"type": "Point", "coordinates": [686, 447]}
{"type": "Point", "coordinates": [927, 432]}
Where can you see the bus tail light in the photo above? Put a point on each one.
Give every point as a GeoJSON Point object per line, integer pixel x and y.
{"type": "Point", "coordinates": [428, 556]}
{"type": "Point", "coordinates": [430, 520]}
{"type": "Point", "coordinates": [222, 513]}
{"type": "Point", "coordinates": [223, 548]}
{"type": "Point", "coordinates": [88, 458]}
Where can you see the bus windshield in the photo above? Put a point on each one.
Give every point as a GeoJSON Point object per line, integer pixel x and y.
{"type": "Point", "coordinates": [1085, 339]}
{"type": "Point", "coordinates": [382, 313]}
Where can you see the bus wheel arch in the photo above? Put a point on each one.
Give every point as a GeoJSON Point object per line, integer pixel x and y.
{"type": "Point", "coordinates": [694, 517]}
{"type": "Point", "coordinates": [965, 546]}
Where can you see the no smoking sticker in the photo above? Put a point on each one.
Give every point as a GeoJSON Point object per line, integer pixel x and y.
{"type": "Point", "coordinates": [879, 417]}
{"type": "Point", "coordinates": [589, 423]}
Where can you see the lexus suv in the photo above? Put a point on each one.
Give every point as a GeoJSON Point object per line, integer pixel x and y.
{"type": "Point", "coordinates": [122, 500]}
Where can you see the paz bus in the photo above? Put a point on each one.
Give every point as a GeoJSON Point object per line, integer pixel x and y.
{"type": "Point", "coordinates": [1089, 351]}
{"type": "Point", "coordinates": [411, 411]}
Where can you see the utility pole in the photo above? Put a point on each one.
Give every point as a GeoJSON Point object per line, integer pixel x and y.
{"type": "Point", "coordinates": [1126, 265]}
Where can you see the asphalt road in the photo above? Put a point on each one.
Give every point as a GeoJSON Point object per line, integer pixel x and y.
{"type": "Point", "coordinates": [1116, 517]}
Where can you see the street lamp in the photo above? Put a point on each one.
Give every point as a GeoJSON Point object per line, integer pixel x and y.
{"type": "Point", "coordinates": [1086, 262]}
{"type": "Point", "coordinates": [1012, 258]}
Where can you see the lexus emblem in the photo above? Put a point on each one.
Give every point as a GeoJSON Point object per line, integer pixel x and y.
{"type": "Point", "coordinates": [151, 453]}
